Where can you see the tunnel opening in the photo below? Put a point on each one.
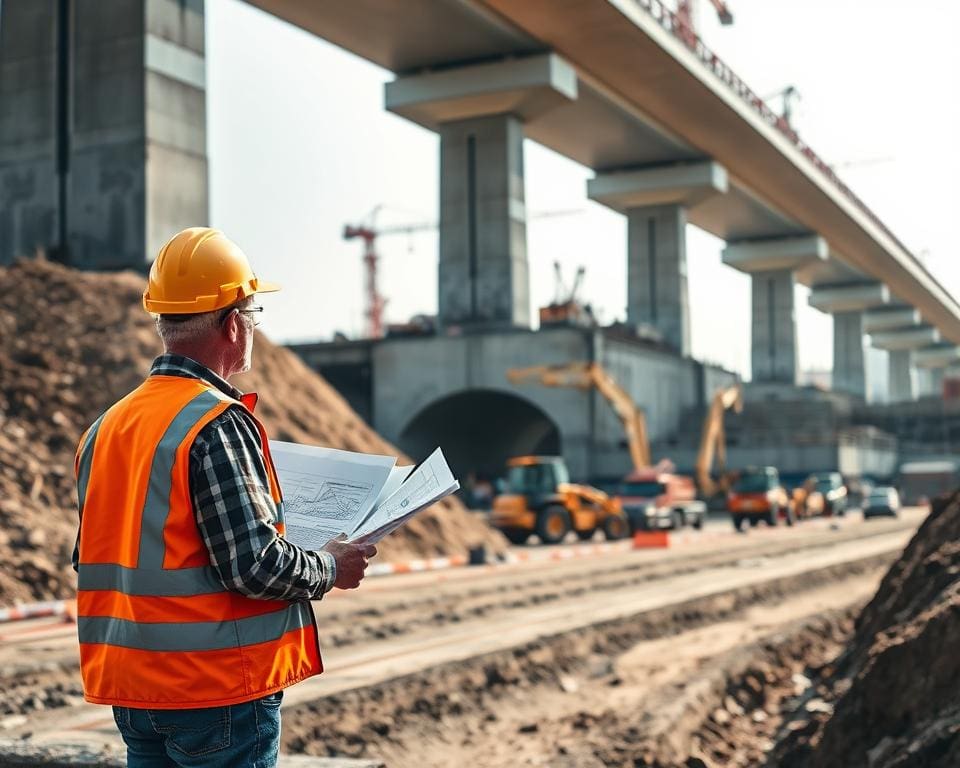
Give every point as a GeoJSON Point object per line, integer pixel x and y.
{"type": "Point", "coordinates": [479, 430]}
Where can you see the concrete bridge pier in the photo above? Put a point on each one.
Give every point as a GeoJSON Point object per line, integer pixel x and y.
{"type": "Point", "coordinates": [847, 304]}
{"type": "Point", "coordinates": [933, 364]}
{"type": "Point", "coordinates": [102, 129]}
{"type": "Point", "coordinates": [902, 377]}
{"type": "Point", "coordinates": [479, 112]}
{"type": "Point", "coordinates": [901, 343]}
{"type": "Point", "coordinates": [772, 265]}
{"type": "Point", "coordinates": [655, 202]}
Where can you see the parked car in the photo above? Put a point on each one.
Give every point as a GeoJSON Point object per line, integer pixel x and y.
{"type": "Point", "coordinates": [834, 491]}
{"type": "Point", "coordinates": [882, 501]}
{"type": "Point", "coordinates": [758, 495]}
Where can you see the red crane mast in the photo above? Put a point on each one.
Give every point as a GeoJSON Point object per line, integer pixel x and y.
{"type": "Point", "coordinates": [376, 302]}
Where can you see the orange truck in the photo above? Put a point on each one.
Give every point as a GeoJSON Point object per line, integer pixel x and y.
{"type": "Point", "coordinates": [655, 500]}
{"type": "Point", "coordinates": [757, 495]}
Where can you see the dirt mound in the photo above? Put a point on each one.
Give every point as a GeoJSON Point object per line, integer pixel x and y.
{"type": "Point", "coordinates": [71, 344]}
{"type": "Point", "coordinates": [897, 687]}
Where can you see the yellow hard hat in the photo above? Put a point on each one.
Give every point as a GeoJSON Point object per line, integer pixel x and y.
{"type": "Point", "coordinates": [200, 270]}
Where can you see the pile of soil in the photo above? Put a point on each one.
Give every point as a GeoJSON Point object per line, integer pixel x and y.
{"type": "Point", "coordinates": [896, 689]}
{"type": "Point", "coordinates": [71, 344]}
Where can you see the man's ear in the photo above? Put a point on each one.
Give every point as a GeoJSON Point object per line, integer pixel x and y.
{"type": "Point", "coordinates": [231, 326]}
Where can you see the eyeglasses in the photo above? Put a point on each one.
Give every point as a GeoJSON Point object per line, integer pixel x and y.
{"type": "Point", "coordinates": [247, 311]}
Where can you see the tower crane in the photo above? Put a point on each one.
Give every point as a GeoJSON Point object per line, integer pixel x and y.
{"type": "Point", "coordinates": [368, 232]}
{"type": "Point", "coordinates": [687, 12]}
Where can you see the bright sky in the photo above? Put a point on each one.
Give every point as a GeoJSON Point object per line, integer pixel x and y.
{"type": "Point", "coordinates": [299, 145]}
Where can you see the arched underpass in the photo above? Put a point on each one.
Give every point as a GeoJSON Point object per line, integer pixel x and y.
{"type": "Point", "coordinates": [479, 430]}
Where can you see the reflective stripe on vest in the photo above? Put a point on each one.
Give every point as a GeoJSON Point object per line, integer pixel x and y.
{"type": "Point", "coordinates": [194, 636]}
{"type": "Point", "coordinates": [156, 626]}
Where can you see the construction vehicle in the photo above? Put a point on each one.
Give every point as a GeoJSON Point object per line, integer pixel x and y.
{"type": "Point", "coordinates": [586, 376]}
{"type": "Point", "coordinates": [831, 487]}
{"type": "Point", "coordinates": [758, 496]}
{"type": "Point", "coordinates": [807, 500]}
{"type": "Point", "coordinates": [713, 441]}
{"type": "Point", "coordinates": [539, 498]}
{"type": "Point", "coordinates": [566, 308]}
{"type": "Point", "coordinates": [674, 503]}
{"type": "Point", "coordinates": [656, 498]}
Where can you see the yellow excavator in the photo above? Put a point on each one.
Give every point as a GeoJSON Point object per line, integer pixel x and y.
{"type": "Point", "coordinates": [540, 497]}
{"type": "Point", "coordinates": [713, 441]}
{"type": "Point", "coordinates": [587, 376]}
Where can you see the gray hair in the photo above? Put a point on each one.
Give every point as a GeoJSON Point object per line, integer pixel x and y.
{"type": "Point", "coordinates": [175, 330]}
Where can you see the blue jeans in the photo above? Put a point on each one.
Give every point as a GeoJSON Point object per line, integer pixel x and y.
{"type": "Point", "coordinates": [239, 736]}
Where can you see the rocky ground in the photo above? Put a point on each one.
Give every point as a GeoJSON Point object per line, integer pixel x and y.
{"type": "Point", "coordinates": [708, 683]}
{"type": "Point", "coordinates": [894, 694]}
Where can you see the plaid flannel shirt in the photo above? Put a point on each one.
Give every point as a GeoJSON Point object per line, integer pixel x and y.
{"type": "Point", "coordinates": [235, 511]}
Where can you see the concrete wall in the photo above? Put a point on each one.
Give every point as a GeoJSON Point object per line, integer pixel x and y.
{"type": "Point", "coordinates": [414, 379]}
{"type": "Point", "coordinates": [412, 374]}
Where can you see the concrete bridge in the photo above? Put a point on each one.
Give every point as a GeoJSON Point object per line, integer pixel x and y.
{"type": "Point", "coordinates": [672, 133]}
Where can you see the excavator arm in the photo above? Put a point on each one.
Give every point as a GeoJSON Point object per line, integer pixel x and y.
{"type": "Point", "coordinates": [592, 375]}
{"type": "Point", "coordinates": [713, 442]}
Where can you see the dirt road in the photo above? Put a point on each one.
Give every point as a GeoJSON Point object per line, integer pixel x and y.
{"type": "Point", "coordinates": [507, 656]}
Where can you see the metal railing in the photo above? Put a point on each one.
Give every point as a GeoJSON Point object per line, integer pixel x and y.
{"type": "Point", "coordinates": [673, 24]}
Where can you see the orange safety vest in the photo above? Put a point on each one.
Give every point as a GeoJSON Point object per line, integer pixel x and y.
{"type": "Point", "coordinates": [158, 630]}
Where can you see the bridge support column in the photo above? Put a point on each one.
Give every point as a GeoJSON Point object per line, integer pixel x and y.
{"type": "Point", "coordinates": [903, 345]}
{"type": "Point", "coordinates": [902, 378]}
{"type": "Point", "coordinates": [847, 304]}
{"type": "Point", "coordinates": [926, 378]}
{"type": "Point", "coordinates": [483, 276]}
{"type": "Point", "coordinates": [771, 265]}
{"type": "Point", "coordinates": [932, 364]}
{"type": "Point", "coordinates": [479, 112]}
{"type": "Point", "coordinates": [655, 202]}
{"type": "Point", "coordinates": [102, 129]}
{"type": "Point", "coordinates": [849, 360]}
{"type": "Point", "coordinates": [773, 348]}
{"type": "Point", "coordinates": [657, 272]}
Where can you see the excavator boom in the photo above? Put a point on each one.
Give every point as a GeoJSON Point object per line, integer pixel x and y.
{"type": "Point", "coordinates": [593, 375]}
{"type": "Point", "coordinates": [713, 442]}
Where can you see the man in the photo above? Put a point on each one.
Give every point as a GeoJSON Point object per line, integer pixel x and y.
{"type": "Point", "coordinates": [193, 610]}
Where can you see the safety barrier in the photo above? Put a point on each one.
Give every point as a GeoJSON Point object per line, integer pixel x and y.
{"type": "Point", "coordinates": [65, 608]}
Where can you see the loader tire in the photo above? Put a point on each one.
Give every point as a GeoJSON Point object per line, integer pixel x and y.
{"type": "Point", "coordinates": [553, 524]}
{"type": "Point", "coordinates": [773, 517]}
{"type": "Point", "coordinates": [615, 527]}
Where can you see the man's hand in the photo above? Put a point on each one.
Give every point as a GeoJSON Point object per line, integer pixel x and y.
{"type": "Point", "coordinates": [351, 562]}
